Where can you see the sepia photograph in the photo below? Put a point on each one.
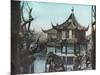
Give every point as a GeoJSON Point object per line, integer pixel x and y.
{"type": "Point", "coordinates": [52, 37]}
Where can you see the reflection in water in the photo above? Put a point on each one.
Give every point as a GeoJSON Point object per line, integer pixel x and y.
{"type": "Point", "coordinates": [39, 64]}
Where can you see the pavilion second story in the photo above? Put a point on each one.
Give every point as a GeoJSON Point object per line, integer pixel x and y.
{"type": "Point", "coordinates": [69, 31]}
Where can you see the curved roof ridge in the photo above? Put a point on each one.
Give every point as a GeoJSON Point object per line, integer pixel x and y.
{"type": "Point", "coordinates": [74, 20]}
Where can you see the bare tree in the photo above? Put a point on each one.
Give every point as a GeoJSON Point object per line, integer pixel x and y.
{"type": "Point", "coordinates": [30, 19]}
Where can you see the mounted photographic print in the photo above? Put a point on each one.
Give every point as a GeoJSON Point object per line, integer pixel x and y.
{"type": "Point", "coordinates": [52, 37]}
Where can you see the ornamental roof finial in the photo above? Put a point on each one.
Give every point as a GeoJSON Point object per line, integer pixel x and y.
{"type": "Point", "coordinates": [72, 9]}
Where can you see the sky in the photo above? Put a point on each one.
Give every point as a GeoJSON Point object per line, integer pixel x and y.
{"type": "Point", "coordinates": [47, 13]}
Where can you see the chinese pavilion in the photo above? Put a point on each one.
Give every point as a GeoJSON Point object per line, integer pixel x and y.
{"type": "Point", "coordinates": [68, 38]}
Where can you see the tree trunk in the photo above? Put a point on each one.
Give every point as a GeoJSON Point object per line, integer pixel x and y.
{"type": "Point", "coordinates": [15, 26]}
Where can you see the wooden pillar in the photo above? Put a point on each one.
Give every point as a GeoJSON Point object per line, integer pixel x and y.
{"type": "Point", "coordinates": [55, 50]}
{"type": "Point", "coordinates": [79, 48]}
{"type": "Point", "coordinates": [66, 49]}
{"type": "Point", "coordinates": [46, 50]}
{"type": "Point", "coordinates": [45, 67]}
{"type": "Point", "coordinates": [32, 68]}
{"type": "Point", "coordinates": [74, 48]}
{"type": "Point", "coordinates": [61, 48]}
